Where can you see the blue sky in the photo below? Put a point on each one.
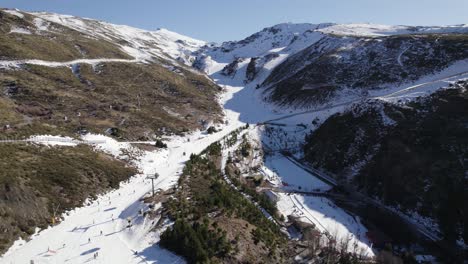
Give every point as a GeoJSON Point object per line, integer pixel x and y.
{"type": "Point", "coordinates": [232, 20]}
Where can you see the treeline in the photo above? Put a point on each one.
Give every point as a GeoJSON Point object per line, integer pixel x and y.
{"type": "Point", "coordinates": [260, 198]}
{"type": "Point", "coordinates": [196, 242]}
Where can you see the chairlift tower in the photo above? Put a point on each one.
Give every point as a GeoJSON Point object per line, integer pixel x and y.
{"type": "Point", "coordinates": [152, 178]}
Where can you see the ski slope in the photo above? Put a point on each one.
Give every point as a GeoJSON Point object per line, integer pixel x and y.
{"type": "Point", "coordinates": [78, 237]}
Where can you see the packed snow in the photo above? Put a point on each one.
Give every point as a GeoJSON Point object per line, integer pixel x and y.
{"type": "Point", "coordinates": [329, 219]}
{"type": "Point", "coordinates": [283, 173]}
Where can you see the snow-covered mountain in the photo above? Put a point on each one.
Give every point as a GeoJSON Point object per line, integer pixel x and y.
{"type": "Point", "coordinates": [65, 75]}
{"type": "Point", "coordinates": [263, 51]}
{"type": "Point", "coordinates": [141, 44]}
{"type": "Point", "coordinates": [143, 68]}
{"type": "Point", "coordinates": [302, 65]}
{"type": "Point", "coordinates": [138, 43]}
{"type": "Point", "coordinates": [298, 64]}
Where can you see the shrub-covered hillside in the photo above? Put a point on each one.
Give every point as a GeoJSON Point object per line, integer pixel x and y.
{"type": "Point", "coordinates": [38, 182]}
{"type": "Point", "coordinates": [412, 155]}
{"type": "Point", "coordinates": [337, 64]}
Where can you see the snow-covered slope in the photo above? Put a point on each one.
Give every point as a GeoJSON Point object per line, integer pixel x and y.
{"type": "Point", "coordinates": [263, 51]}
{"type": "Point", "coordinates": [302, 65]}
{"type": "Point", "coordinates": [136, 42]}
{"type": "Point", "coordinates": [376, 30]}
{"type": "Point", "coordinates": [283, 52]}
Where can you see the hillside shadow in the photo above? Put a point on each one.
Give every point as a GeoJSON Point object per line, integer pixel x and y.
{"type": "Point", "coordinates": [156, 254]}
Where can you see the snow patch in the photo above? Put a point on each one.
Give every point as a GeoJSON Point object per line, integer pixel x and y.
{"type": "Point", "coordinates": [20, 30]}
{"type": "Point", "coordinates": [18, 63]}
{"type": "Point", "coordinates": [41, 24]}
{"type": "Point", "coordinates": [53, 140]}
{"type": "Point", "coordinates": [283, 173]}
{"type": "Point", "coordinates": [328, 219]}
{"type": "Point", "coordinates": [14, 12]}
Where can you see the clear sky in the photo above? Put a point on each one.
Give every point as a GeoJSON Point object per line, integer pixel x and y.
{"type": "Point", "coordinates": [220, 20]}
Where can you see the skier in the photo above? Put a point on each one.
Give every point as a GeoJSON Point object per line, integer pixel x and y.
{"type": "Point", "coordinates": [101, 232]}
{"type": "Point", "coordinates": [89, 240]}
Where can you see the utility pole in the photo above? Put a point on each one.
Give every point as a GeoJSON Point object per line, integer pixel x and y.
{"type": "Point", "coordinates": [152, 178]}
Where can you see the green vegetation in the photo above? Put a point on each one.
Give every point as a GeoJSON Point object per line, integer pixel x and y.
{"type": "Point", "coordinates": [160, 144]}
{"type": "Point", "coordinates": [35, 181]}
{"type": "Point", "coordinates": [260, 198]}
{"type": "Point", "coordinates": [206, 208]}
{"type": "Point", "coordinates": [196, 242]}
{"type": "Point", "coordinates": [211, 130]}
{"type": "Point", "coordinates": [245, 147]}
{"type": "Point", "coordinates": [419, 163]}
